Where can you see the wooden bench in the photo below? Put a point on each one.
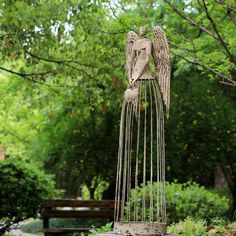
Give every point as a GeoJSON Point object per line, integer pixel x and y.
{"type": "Point", "coordinates": [75, 209]}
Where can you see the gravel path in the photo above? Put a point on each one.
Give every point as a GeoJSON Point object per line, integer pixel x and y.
{"type": "Point", "coordinates": [18, 232]}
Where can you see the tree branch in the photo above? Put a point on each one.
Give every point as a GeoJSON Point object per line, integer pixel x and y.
{"type": "Point", "coordinates": [27, 77]}
{"type": "Point", "coordinates": [25, 74]}
{"type": "Point", "coordinates": [58, 61]}
{"type": "Point", "coordinates": [65, 62]}
{"type": "Point", "coordinates": [182, 36]}
{"type": "Point", "coordinates": [81, 71]}
{"type": "Point", "coordinates": [186, 50]}
{"type": "Point", "coordinates": [231, 57]}
{"type": "Point", "coordinates": [227, 83]}
{"type": "Point", "coordinates": [220, 76]}
{"type": "Point", "coordinates": [192, 22]}
{"type": "Point", "coordinates": [14, 134]}
{"type": "Point", "coordinates": [229, 10]}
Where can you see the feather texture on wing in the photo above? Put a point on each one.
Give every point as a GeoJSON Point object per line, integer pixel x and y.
{"type": "Point", "coordinates": [161, 59]}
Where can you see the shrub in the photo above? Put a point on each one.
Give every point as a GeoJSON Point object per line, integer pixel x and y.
{"type": "Point", "coordinates": [103, 229]}
{"type": "Point", "coordinates": [188, 199]}
{"type": "Point", "coordinates": [22, 188]}
{"type": "Point", "coordinates": [189, 227]}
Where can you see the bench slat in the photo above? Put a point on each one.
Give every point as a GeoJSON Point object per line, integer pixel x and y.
{"type": "Point", "coordinates": [79, 203]}
{"type": "Point", "coordinates": [78, 214]}
{"type": "Point", "coordinates": [82, 209]}
{"type": "Point", "coordinates": [68, 230]}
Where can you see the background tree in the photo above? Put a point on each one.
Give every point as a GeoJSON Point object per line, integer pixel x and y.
{"type": "Point", "coordinates": [204, 36]}
{"type": "Point", "coordinates": [23, 187]}
{"type": "Point", "coordinates": [63, 79]}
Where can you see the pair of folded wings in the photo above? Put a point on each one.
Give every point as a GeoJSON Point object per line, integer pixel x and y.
{"type": "Point", "coordinates": [160, 51]}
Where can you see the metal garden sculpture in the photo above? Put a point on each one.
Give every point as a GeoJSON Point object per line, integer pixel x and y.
{"type": "Point", "coordinates": [141, 155]}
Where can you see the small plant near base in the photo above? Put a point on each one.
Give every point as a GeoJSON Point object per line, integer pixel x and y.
{"type": "Point", "coordinates": [191, 227]}
{"type": "Point", "coordinates": [106, 228]}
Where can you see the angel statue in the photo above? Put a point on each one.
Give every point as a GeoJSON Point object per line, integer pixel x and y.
{"type": "Point", "coordinates": [140, 206]}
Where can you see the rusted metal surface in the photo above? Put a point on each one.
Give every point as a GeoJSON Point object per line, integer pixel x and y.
{"type": "Point", "coordinates": [141, 154]}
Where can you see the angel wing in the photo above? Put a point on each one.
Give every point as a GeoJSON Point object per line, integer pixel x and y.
{"type": "Point", "coordinates": [161, 59]}
{"type": "Point", "coordinates": [131, 38]}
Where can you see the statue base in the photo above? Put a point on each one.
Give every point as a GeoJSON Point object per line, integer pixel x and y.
{"type": "Point", "coordinates": [116, 234]}
{"type": "Point", "coordinates": [138, 228]}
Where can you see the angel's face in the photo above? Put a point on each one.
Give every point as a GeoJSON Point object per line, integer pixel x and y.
{"type": "Point", "coordinates": [142, 31]}
{"type": "Point", "coordinates": [131, 36]}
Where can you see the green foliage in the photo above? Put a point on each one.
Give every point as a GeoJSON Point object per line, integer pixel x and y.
{"type": "Point", "coordinates": [95, 231]}
{"type": "Point", "coordinates": [185, 200]}
{"type": "Point", "coordinates": [212, 54]}
{"type": "Point", "coordinates": [22, 189]}
{"type": "Point", "coordinates": [64, 78]}
{"type": "Point", "coordinates": [193, 200]}
{"type": "Point", "coordinates": [200, 133]}
{"type": "Point", "coordinates": [189, 227]}
{"type": "Point", "coordinates": [98, 190]}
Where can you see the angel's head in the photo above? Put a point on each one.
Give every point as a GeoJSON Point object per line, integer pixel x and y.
{"type": "Point", "coordinates": [142, 31]}
{"type": "Point", "coordinates": [132, 36]}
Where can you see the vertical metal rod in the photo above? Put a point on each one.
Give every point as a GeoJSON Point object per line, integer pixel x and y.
{"type": "Point", "coordinates": [160, 153]}
{"type": "Point", "coordinates": [161, 157]}
{"type": "Point", "coordinates": [119, 165]}
{"type": "Point", "coordinates": [151, 152]}
{"type": "Point", "coordinates": [131, 142]}
{"type": "Point", "coordinates": [157, 152]}
{"type": "Point", "coordinates": [125, 165]}
{"type": "Point", "coordinates": [129, 132]}
{"type": "Point", "coordinates": [163, 168]}
{"type": "Point", "coordinates": [162, 163]}
{"type": "Point", "coordinates": [144, 153]}
{"type": "Point", "coordinates": [137, 154]}
{"type": "Point", "coordinates": [127, 156]}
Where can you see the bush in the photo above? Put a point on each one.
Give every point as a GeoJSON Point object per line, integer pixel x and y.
{"type": "Point", "coordinates": [190, 227]}
{"type": "Point", "coordinates": [103, 229]}
{"type": "Point", "coordinates": [188, 199]}
{"type": "Point", "coordinates": [22, 188]}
